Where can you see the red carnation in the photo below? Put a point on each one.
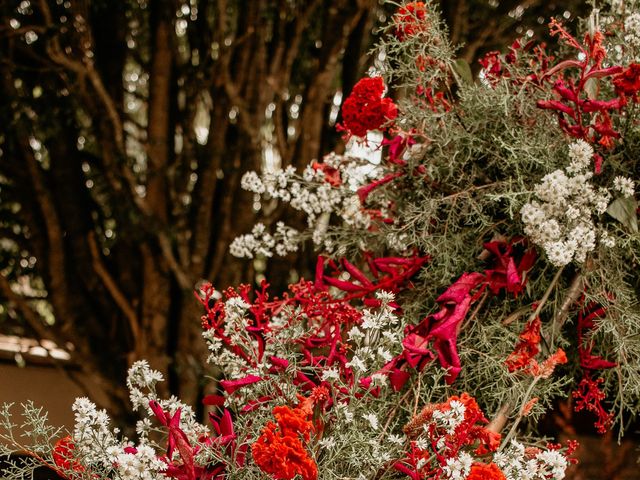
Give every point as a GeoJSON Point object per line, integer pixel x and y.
{"type": "Point", "coordinates": [410, 19]}
{"type": "Point", "coordinates": [481, 471]}
{"type": "Point", "coordinates": [365, 109]}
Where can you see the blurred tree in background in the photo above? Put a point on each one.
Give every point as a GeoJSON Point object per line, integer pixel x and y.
{"type": "Point", "coordinates": [125, 127]}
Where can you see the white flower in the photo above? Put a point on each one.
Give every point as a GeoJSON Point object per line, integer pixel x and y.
{"type": "Point", "coordinates": [624, 185]}
{"type": "Point", "coordinates": [450, 419]}
{"type": "Point", "coordinates": [396, 439]}
{"type": "Point", "coordinates": [607, 240]}
{"type": "Point", "coordinates": [384, 354]}
{"type": "Point", "coordinates": [385, 297]}
{"type": "Point", "coordinates": [632, 29]}
{"type": "Point", "coordinates": [251, 182]}
{"type": "Point", "coordinates": [379, 379]}
{"type": "Point", "coordinates": [327, 442]}
{"type": "Point", "coordinates": [458, 468]}
{"type": "Point", "coordinates": [553, 463]}
{"type": "Point", "coordinates": [357, 364]}
{"type": "Point", "coordinates": [561, 218]}
{"type": "Point", "coordinates": [355, 333]}
{"type": "Point", "coordinates": [141, 375]}
{"type": "Point", "coordinates": [372, 419]}
{"type": "Point", "coordinates": [422, 444]}
{"type": "Point", "coordinates": [330, 374]}
{"type": "Point", "coordinates": [516, 465]}
{"type": "Point", "coordinates": [580, 153]}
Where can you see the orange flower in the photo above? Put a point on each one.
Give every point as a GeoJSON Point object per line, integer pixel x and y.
{"type": "Point", "coordinates": [482, 471]}
{"type": "Point", "coordinates": [279, 451]}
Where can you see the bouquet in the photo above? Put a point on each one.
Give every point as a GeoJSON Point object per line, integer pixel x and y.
{"type": "Point", "coordinates": [483, 271]}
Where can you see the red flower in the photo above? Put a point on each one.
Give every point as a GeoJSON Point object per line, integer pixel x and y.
{"type": "Point", "coordinates": [527, 348]}
{"type": "Point", "coordinates": [410, 19]}
{"type": "Point", "coordinates": [492, 66]}
{"type": "Point", "coordinates": [63, 455]}
{"type": "Point", "coordinates": [279, 451]}
{"type": "Point", "coordinates": [589, 396]}
{"type": "Point", "coordinates": [627, 82]}
{"type": "Point", "coordinates": [481, 471]}
{"type": "Point", "coordinates": [331, 174]}
{"type": "Point", "coordinates": [365, 109]}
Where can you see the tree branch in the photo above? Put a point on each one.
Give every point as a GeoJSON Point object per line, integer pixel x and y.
{"type": "Point", "coordinates": [112, 287]}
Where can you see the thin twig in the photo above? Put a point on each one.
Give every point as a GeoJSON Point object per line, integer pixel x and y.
{"type": "Point", "coordinates": [521, 414]}
{"type": "Point", "coordinates": [546, 295]}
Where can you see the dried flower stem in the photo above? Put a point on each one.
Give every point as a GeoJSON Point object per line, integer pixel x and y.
{"type": "Point", "coordinates": [546, 295]}
{"type": "Point", "coordinates": [514, 427]}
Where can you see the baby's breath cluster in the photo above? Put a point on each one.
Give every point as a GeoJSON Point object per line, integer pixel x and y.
{"type": "Point", "coordinates": [562, 219]}
{"type": "Point", "coordinates": [321, 191]}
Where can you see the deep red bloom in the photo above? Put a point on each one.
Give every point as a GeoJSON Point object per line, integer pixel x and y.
{"type": "Point", "coordinates": [441, 328]}
{"type": "Point", "coordinates": [492, 66]}
{"type": "Point", "coordinates": [627, 82]}
{"type": "Point", "coordinates": [280, 452]}
{"type": "Point", "coordinates": [63, 455]}
{"type": "Point", "coordinates": [482, 471]}
{"type": "Point", "coordinates": [365, 109]}
{"type": "Point", "coordinates": [177, 440]}
{"type": "Point", "coordinates": [410, 19]}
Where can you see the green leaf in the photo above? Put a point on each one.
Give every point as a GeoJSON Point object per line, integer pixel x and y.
{"type": "Point", "coordinates": [624, 210]}
{"type": "Point", "coordinates": [591, 87]}
{"type": "Point", "coordinates": [462, 72]}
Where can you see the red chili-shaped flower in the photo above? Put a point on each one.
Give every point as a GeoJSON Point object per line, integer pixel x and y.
{"type": "Point", "coordinates": [365, 109]}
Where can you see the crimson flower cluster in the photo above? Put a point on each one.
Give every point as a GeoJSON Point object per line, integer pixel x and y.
{"type": "Point", "coordinates": [365, 109]}
{"type": "Point", "coordinates": [327, 317]}
{"type": "Point", "coordinates": [440, 330]}
{"type": "Point", "coordinates": [588, 394]}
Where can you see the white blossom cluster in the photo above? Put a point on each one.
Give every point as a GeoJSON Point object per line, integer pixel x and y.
{"type": "Point", "coordinates": [259, 242]}
{"type": "Point", "coordinates": [632, 29]}
{"type": "Point", "coordinates": [561, 219]}
{"type": "Point", "coordinates": [236, 322]}
{"type": "Point", "coordinates": [516, 464]}
{"type": "Point", "coordinates": [92, 429]}
{"type": "Point", "coordinates": [141, 464]}
{"type": "Point", "coordinates": [141, 382]}
{"type": "Point", "coordinates": [376, 341]}
{"type": "Point", "coordinates": [97, 443]}
{"type": "Point", "coordinates": [450, 419]}
{"type": "Point", "coordinates": [624, 185]}
{"type": "Point", "coordinates": [311, 194]}
{"type": "Point", "coordinates": [458, 468]}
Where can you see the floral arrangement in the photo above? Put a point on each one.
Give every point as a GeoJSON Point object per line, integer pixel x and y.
{"type": "Point", "coordinates": [486, 267]}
